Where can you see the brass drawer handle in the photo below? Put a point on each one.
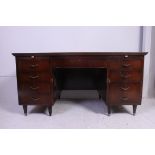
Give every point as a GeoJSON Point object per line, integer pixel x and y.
{"type": "Point", "coordinates": [35, 99]}
{"type": "Point", "coordinates": [36, 65]}
{"type": "Point", "coordinates": [125, 76]}
{"type": "Point", "coordinates": [34, 88]}
{"type": "Point", "coordinates": [124, 98]}
{"type": "Point", "coordinates": [34, 77]}
{"type": "Point", "coordinates": [125, 88]}
{"type": "Point", "coordinates": [52, 80]}
{"type": "Point", "coordinates": [126, 65]}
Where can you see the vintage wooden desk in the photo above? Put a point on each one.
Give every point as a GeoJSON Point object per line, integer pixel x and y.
{"type": "Point", "coordinates": [118, 76]}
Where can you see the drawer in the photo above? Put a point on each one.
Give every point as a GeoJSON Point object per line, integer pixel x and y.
{"type": "Point", "coordinates": [36, 64]}
{"type": "Point", "coordinates": [126, 64]}
{"type": "Point", "coordinates": [132, 64]}
{"type": "Point", "coordinates": [40, 99]}
{"type": "Point", "coordinates": [80, 61]}
{"type": "Point", "coordinates": [35, 88]}
{"type": "Point", "coordinates": [34, 77]}
{"type": "Point", "coordinates": [125, 75]}
{"type": "Point", "coordinates": [124, 93]}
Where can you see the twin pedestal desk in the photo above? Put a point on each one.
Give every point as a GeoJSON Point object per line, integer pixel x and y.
{"type": "Point", "coordinates": [117, 76]}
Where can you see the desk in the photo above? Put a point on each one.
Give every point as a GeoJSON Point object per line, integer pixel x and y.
{"type": "Point", "coordinates": [39, 76]}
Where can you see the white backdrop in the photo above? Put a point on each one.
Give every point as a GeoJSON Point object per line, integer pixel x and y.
{"type": "Point", "coordinates": [49, 39]}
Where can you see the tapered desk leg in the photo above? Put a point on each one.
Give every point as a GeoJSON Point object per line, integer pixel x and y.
{"type": "Point", "coordinates": [50, 110]}
{"type": "Point", "coordinates": [109, 110]}
{"type": "Point", "coordinates": [134, 109]}
{"type": "Point", "coordinates": [59, 96]}
{"type": "Point", "coordinates": [25, 109]}
{"type": "Point", "coordinates": [99, 97]}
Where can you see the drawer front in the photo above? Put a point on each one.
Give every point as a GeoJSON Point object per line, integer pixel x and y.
{"type": "Point", "coordinates": [33, 64]}
{"type": "Point", "coordinates": [82, 61]}
{"type": "Point", "coordinates": [35, 99]}
{"type": "Point", "coordinates": [132, 64]}
{"type": "Point", "coordinates": [35, 88]}
{"type": "Point", "coordinates": [34, 77]}
{"type": "Point", "coordinates": [129, 64]}
{"type": "Point", "coordinates": [124, 93]}
{"type": "Point", "coordinates": [125, 75]}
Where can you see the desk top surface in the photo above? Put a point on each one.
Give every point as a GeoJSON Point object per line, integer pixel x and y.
{"type": "Point", "coordinates": [80, 53]}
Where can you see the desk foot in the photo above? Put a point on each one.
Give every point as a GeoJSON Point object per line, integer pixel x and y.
{"type": "Point", "coordinates": [59, 97]}
{"type": "Point", "coordinates": [109, 110]}
{"type": "Point", "coordinates": [25, 109]}
{"type": "Point", "coordinates": [134, 109]}
{"type": "Point", "coordinates": [99, 97]}
{"type": "Point", "coordinates": [50, 110]}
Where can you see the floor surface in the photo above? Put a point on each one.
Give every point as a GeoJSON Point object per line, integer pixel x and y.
{"type": "Point", "coordinates": [80, 109]}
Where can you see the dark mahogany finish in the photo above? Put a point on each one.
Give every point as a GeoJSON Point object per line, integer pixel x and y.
{"type": "Point", "coordinates": [38, 84]}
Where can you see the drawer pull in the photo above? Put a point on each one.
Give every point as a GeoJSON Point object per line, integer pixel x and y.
{"type": "Point", "coordinates": [125, 76]}
{"type": "Point", "coordinates": [34, 77]}
{"type": "Point", "coordinates": [52, 80]}
{"type": "Point", "coordinates": [126, 65]}
{"type": "Point", "coordinates": [124, 98]}
{"type": "Point", "coordinates": [36, 65]}
{"type": "Point", "coordinates": [126, 56]}
{"type": "Point", "coordinates": [108, 80]}
{"type": "Point", "coordinates": [125, 88]}
{"type": "Point", "coordinates": [35, 99]}
{"type": "Point", "coordinates": [34, 88]}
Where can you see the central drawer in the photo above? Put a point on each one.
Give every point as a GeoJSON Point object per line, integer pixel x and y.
{"type": "Point", "coordinates": [80, 61]}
